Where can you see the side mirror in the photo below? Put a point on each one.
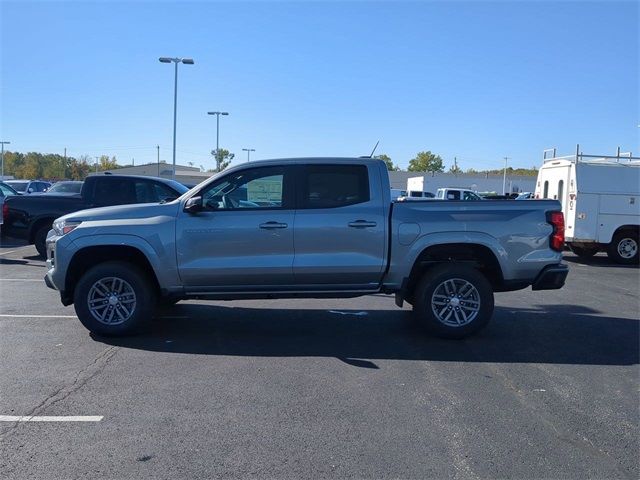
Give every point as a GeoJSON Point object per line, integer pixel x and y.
{"type": "Point", "coordinates": [30, 190]}
{"type": "Point", "coordinates": [193, 205]}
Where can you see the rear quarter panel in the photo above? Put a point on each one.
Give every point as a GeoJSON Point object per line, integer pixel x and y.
{"type": "Point", "coordinates": [516, 232]}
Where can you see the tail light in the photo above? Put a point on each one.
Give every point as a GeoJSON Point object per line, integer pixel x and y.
{"type": "Point", "coordinates": [556, 240]}
{"type": "Point", "coordinates": [5, 211]}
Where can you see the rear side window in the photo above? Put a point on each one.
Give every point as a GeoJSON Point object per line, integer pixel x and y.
{"type": "Point", "coordinates": [545, 193]}
{"type": "Point", "coordinates": [114, 191]}
{"type": "Point", "coordinates": [332, 186]}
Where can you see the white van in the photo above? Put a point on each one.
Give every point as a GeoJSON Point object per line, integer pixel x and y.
{"type": "Point", "coordinates": [457, 194]}
{"type": "Point", "coordinates": [600, 197]}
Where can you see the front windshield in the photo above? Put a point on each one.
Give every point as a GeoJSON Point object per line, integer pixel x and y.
{"type": "Point", "coordinates": [18, 186]}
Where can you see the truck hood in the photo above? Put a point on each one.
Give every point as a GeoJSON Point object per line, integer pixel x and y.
{"type": "Point", "coordinates": [124, 212]}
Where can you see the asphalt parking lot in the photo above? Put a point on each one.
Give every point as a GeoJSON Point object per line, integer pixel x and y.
{"type": "Point", "coordinates": [324, 388]}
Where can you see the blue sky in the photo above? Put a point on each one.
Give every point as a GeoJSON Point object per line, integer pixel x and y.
{"type": "Point", "coordinates": [476, 80]}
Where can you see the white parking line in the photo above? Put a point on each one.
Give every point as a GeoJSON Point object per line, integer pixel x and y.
{"type": "Point", "coordinates": [51, 418]}
{"type": "Point", "coordinates": [11, 251]}
{"type": "Point", "coordinates": [7, 315]}
{"type": "Point", "coordinates": [21, 280]}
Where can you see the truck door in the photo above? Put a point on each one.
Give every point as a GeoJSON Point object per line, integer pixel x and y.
{"type": "Point", "coordinates": [243, 236]}
{"type": "Point", "coordinates": [340, 227]}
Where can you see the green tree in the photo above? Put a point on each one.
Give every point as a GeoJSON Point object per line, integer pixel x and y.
{"type": "Point", "coordinates": [426, 162]}
{"type": "Point", "coordinates": [455, 169]}
{"type": "Point", "coordinates": [223, 159]}
{"type": "Point", "coordinates": [390, 166]}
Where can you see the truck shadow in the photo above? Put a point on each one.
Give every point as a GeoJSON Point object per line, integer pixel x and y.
{"type": "Point", "coordinates": [554, 334]}
{"type": "Point", "coordinates": [599, 260]}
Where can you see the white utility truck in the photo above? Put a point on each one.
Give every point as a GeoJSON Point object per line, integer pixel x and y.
{"type": "Point", "coordinates": [600, 197]}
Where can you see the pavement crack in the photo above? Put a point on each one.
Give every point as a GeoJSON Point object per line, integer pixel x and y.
{"type": "Point", "coordinates": [81, 378]}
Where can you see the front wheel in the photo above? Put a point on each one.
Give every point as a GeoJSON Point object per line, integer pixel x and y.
{"type": "Point", "coordinates": [114, 299]}
{"type": "Point", "coordinates": [453, 301]}
{"type": "Point", "coordinates": [623, 248]}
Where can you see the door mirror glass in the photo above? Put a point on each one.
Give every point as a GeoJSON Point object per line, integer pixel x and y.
{"type": "Point", "coordinates": [193, 205]}
{"type": "Point", "coordinates": [30, 190]}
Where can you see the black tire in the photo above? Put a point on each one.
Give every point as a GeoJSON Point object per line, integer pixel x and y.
{"type": "Point", "coordinates": [433, 282]}
{"type": "Point", "coordinates": [135, 280]}
{"type": "Point", "coordinates": [40, 240]}
{"type": "Point", "coordinates": [624, 248]}
{"type": "Point", "coordinates": [584, 252]}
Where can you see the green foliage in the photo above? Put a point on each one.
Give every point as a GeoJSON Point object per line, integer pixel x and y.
{"type": "Point", "coordinates": [426, 162]}
{"type": "Point", "coordinates": [527, 172]}
{"type": "Point", "coordinates": [223, 159]}
{"type": "Point", "coordinates": [390, 166]}
{"type": "Point", "coordinates": [51, 166]}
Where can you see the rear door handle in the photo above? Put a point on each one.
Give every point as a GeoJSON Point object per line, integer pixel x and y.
{"type": "Point", "coordinates": [362, 224]}
{"type": "Point", "coordinates": [272, 225]}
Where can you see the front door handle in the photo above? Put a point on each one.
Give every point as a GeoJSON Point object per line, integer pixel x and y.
{"type": "Point", "coordinates": [362, 224]}
{"type": "Point", "coordinates": [272, 225]}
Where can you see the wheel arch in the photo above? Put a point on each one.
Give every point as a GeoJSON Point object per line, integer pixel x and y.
{"type": "Point", "coordinates": [91, 256]}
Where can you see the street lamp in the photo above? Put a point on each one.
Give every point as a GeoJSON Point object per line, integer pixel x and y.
{"type": "Point", "coordinates": [248, 150]}
{"type": "Point", "coordinates": [504, 177]}
{"type": "Point", "coordinates": [186, 61]}
{"type": "Point", "coordinates": [2, 173]}
{"type": "Point", "coordinates": [217, 114]}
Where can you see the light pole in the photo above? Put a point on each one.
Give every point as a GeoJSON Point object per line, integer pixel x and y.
{"type": "Point", "coordinates": [248, 150]}
{"type": "Point", "coordinates": [217, 114]}
{"type": "Point", "coordinates": [2, 173]}
{"type": "Point", "coordinates": [186, 61]}
{"type": "Point", "coordinates": [504, 177]}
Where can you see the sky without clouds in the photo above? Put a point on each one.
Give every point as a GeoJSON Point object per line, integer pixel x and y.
{"type": "Point", "coordinates": [476, 80]}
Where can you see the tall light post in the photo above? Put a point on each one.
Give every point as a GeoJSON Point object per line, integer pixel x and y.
{"type": "Point", "coordinates": [217, 114]}
{"type": "Point", "coordinates": [186, 61]}
{"type": "Point", "coordinates": [504, 177]}
{"type": "Point", "coordinates": [248, 150]}
{"type": "Point", "coordinates": [2, 173]}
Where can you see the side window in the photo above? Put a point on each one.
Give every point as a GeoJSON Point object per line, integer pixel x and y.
{"type": "Point", "coordinates": [114, 191]}
{"type": "Point", "coordinates": [249, 189]}
{"type": "Point", "coordinates": [145, 193]}
{"type": "Point", "coordinates": [469, 196]}
{"type": "Point", "coordinates": [560, 189]}
{"type": "Point", "coordinates": [545, 192]}
{"type": "Point", "coordinates": [331, 186]}
{"type": "Point", "coordinates": [162, 192]}
{"type": "Point", "coordinates": [453, 195]}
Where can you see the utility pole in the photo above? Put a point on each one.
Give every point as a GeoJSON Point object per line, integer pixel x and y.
{"type": "Point", "coordinates": [2, 173]}
{"type": "Point", "coordinates": [97, 163]}
{"type": "Point", "coordinates": [217, 114]}
{"type": "Point", "coordinates": [186, 61]}
{"type": "Point", "coordinates": [455, 165]}
{"type": "Point", "coordinates": [248, 150]}
{"type": "Point", "coordinates": [64, 164]}
{"type": "Point", "coordinates": [504, 176]}
{"type": "Point", "coordinates": [158, 148]}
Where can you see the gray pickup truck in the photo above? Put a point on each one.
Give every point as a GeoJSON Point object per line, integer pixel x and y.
{"type": "Point", "coordinates": [314, 227]}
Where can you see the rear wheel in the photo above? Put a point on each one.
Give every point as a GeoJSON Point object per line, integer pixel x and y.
{"type": "Point", "coordinates": [40, 240]}
{"type": "Point", "coordinates": [584, 252]}
{"type": "Point", "coordinates": [453, 301]}
{"type": "Point", "coordinates": [624, 248]}
{"type": "Point", "coordinates": [114, 299]}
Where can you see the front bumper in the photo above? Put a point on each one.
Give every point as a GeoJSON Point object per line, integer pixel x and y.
{"type": "Point", "coordinates": [552, 277]}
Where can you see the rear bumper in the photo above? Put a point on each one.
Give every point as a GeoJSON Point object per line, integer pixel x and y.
{"type": "Point", "coordinates": [551, 277]}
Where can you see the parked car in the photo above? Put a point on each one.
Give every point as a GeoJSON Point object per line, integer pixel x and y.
{"type": "Point", "coordinates": [525, 196]}
{"type": "Point", "coordinates": [30, 217]}
{"type": "Point", "coordinates": [457, 194]}
{"type": "Point", "coordinates": [5, 191]}
{"type": "Point", "coordinates": [26, 187]}
{"type": "Point", "coordinates": [445, 258]}
{"type": "Point", "coordinates": [65, 187]}
{"type": "Point", "coordinates": [600, 198]}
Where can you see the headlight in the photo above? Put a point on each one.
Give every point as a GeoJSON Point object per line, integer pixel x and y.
{"type": "Point", "coordinates": [62, 227]}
